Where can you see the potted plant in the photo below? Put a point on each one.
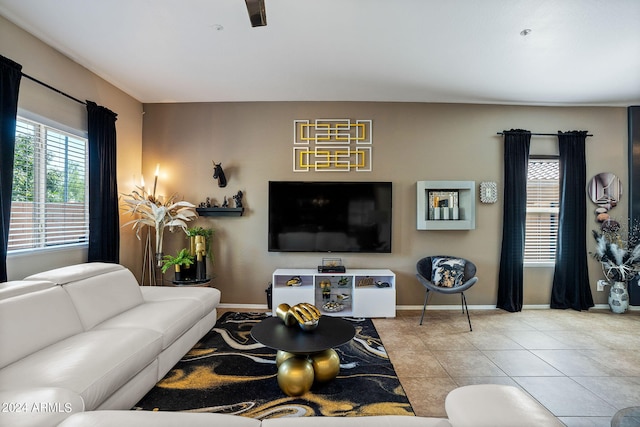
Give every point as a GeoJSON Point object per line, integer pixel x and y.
{"type": "Point", "coordinates": [207, 234]}
{"type": "Point", "coordinates": [180, 262]}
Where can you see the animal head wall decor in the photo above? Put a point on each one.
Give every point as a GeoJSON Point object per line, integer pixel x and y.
{"type": "Point", "coordinates": [218, 174]}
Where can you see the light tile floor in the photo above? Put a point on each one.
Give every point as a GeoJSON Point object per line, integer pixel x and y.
{"type": "Point", "coordinates": [582, 366]}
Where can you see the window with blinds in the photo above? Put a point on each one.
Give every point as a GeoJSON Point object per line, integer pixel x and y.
{"type": "Point", "coordinates": [49, 203]}
{"type": "Point", "coordinates": [543, 192]}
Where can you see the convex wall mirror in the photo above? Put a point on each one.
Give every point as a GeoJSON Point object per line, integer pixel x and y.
{"type": "Point", "coordinates": [605, 190]}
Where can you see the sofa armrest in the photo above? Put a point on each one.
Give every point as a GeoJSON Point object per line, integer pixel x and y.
{"type": "Point", "coordinates": [38, 407]}
{"type": "Point", "coordinates": [493, 405]}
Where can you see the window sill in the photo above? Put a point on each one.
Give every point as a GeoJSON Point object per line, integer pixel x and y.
{"type": "Point", "coordinates": [38, 251]}
{"type": "Point", "coordinates": [545, 264]}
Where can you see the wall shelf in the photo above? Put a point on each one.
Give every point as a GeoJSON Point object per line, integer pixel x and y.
{"type": "Point", "coordinates": [220, 211]}
{"type": "Point", "coordinates": [465, 192]}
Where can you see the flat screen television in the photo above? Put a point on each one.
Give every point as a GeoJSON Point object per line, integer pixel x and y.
{"type": "Point", "coordinates": [329, 216]}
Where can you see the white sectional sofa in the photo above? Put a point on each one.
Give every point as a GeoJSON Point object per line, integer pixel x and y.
{"type": "Point", "coordinates": [88, 337]}
{"type": "Point", "coordinates": [485, 405]}
{"type": "Point", "coordinates": [80, 345]}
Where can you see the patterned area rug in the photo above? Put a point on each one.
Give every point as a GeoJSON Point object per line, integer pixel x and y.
{"type": "Point", "coordinates": [228, 372]}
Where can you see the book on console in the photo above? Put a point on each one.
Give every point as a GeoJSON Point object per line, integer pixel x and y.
{"type": "Point", "coordinates": [331, 269]}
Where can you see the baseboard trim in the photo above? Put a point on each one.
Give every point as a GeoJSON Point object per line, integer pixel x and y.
{"type": "Point", "coordinates": [263, 307]}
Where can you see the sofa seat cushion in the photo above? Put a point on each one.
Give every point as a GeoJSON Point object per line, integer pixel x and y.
{"type": "Point", "coordinates": [371, 421]}
{"type": "Point", "coordinates": [92, 364]}
{"type": "Point", "coordinates": [209, 298]}
{"type": "Point", "coordinates": [170, 318]}
{"type": "Point", "coordinates": [156, 419]}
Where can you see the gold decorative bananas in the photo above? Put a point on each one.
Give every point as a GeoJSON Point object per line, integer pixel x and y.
{"type": "Point", "coordinates": [305, 312]}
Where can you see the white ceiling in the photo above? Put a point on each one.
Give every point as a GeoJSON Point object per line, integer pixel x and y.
{"type": "Point", "coordinates": [579, 52]}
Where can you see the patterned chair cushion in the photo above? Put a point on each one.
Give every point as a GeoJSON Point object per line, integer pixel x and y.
{"type": "Point", "coordinates": [447, 272]}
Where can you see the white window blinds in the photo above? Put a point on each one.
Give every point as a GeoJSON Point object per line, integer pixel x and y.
{"type": "Point", "coordinates": [542, 211]}
{"type": "Point", "coordinates": [49, 203]}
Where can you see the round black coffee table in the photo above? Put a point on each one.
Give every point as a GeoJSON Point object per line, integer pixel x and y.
{"type": "Point", "coordinates": [304, 356]}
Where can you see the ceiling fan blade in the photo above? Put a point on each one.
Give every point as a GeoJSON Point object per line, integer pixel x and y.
{"type": "Point", "coordinates": [257, 12]}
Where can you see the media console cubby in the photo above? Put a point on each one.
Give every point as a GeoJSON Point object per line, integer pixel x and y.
{"type": "Point", "coordinates": [361, 292]}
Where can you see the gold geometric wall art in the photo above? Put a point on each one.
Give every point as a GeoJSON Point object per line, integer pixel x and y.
{"type": "Point", "coordinates": [332, 145]}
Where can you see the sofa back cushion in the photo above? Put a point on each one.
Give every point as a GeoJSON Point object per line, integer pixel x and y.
{"type": "Point", "coordinates": [35, 320]}
{"type": "Point", "coordinates": [21, 287]}
{"type": "Point", "coordinates": [73, 273]}
{"type": "Point", "coordinates": [103, 296]}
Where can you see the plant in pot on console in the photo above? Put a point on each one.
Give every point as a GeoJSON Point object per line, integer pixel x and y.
{"type": "Point", "coordinates": [181, 262]}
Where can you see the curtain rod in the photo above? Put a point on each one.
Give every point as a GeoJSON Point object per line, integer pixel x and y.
{"type": "Point", "coordinates": [546, 134]}
{"type": "Point", "coordinates": [53, 89]}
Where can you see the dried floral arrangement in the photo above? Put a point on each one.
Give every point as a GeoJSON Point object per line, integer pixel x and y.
{"type": "Point", "coordinates": [157, 214]}
{"type": "Point", "coordinates": [618, 250]}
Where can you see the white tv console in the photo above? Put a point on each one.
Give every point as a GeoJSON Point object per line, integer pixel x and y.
{"type": "Point", "coordinates": [361, 292]}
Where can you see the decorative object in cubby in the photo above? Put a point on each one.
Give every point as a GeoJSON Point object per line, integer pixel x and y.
{"type": "Point", "coordinates": [446, 205]}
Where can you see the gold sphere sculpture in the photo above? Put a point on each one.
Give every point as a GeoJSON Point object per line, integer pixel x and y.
{"type": "Point", "coordinates": [326, 365]}
{"type": "Point", "coordinates": [295, 376]}
{"type": "Point", "coordinates": [282, 355]}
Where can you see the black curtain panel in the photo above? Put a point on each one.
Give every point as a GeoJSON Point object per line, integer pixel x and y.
{"type": "Point", "coordinates": [571, 287]}
{"type": "Point", "coordinates": [104, 224]}
{"type": "Point", "coordinates": [516, 161]}
{"type": "Point", "coordinates": [634, 189]}
{"type": "Point", "coordinates": [10, 75]}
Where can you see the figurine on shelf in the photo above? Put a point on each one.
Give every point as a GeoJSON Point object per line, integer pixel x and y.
{"type": "Point", "coordinates": [206, 203]}
{"type": "Point", "coordinates": [225, 204]}
{"type": "Point", "coordinates": [325, 287]}
{"type": "Point", "coordinates": [238, 199]}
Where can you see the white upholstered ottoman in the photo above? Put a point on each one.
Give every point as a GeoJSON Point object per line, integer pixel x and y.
{"type": "Point", "coordinates": [493, 405]}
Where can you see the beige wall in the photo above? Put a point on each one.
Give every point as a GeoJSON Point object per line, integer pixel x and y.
{"type": "Point", "coordinates": [411, 142]}
{"type": "Point", "coordinates": [48, 65]}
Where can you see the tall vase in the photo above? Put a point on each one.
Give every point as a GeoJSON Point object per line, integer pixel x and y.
{"type": "Point", "coordinates": [158, 277]}
{"type": "Point", "coordinates": [619, 297]}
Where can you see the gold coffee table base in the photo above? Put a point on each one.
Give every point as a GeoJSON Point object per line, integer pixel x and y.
{"type": "Point", "coordinates": [297, 372]}
{"type": "Point", "coordinates": [304, 357]}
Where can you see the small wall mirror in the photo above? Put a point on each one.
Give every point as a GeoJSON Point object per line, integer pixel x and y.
{"type": "Point", "coordinates": [605, 189]}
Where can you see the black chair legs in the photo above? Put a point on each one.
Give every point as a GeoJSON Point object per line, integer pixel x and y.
{"type": "Point", "coordinates": [424, 307]}
{"type": "Point", "coordinates": [463, 303]}
{"type": "Point", "coordinates": [464, 307]}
